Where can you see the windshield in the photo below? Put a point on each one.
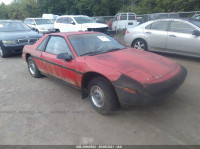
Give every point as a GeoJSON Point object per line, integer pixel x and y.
{"type": "Point", "coordinates": [81, 20]}
{"type": "Point", "coordinates": [92, 44]}
{"type": "Point", "coordinates": [13, 27]}
{"type": "Point", "coordinates": [197, 23]}
{"type": "Point", "coordinates": [43, 21]}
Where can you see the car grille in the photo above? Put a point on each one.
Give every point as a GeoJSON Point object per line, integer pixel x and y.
{"type": "Point", "coordinates": [103, 30]}
{"type": "Point", "coordinates": [31, 40]}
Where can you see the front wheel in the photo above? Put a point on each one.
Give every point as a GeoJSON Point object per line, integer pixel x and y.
{"type": "Point", "coordinates": [102, 96]}
{"type": "Point", "coordinates": [140, 44]}
{"type": "Point", "coordinates": [33, 68]}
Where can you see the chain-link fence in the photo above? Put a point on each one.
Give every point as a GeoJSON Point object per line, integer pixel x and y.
{"type": "Point", "coordinates": [145, 18]}
{"type": "Point", "coordinates": [181, 15]}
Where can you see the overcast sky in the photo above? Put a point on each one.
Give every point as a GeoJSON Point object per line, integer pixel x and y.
{"type": "Point", "coordinates": [6, 1]}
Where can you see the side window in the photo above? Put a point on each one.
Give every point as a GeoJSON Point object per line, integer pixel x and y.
{"type": "Point", "coordinates": [148, 27]}
{"type": "Point", "coordinates": [181, 27]}
{"type": "Point", "coordinates": [131, 17]}
{"type": "Point", "coordinates": [65, 20]}
{"type": "Point", "coordinates": [42, 46]}
{"type": "Point", "coordinates": [160, 26]}
{"type": "Point", "coordinates": [69, 20]}
{"type": "Point", "coordinates": [58, 21]}
{"type": "Point", "coordinates": [32, 22]}
{"type": "Point", "coordinates": [57, 45]}
{"type": "Point", "coordinates": [27, 21]}
{"type": "Point", "coordinates": [123, 17]}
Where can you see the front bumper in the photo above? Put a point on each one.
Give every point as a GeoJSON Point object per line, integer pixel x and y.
{"type": "Point", "coordinates": [15, 48]}
{"type": "Point", "coordinates": [149, 93]}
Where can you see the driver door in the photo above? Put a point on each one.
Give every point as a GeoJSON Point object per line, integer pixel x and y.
{"type": "Point", "coordinates": [58, 68]}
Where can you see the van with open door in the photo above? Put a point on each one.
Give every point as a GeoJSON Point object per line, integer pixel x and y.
{"type": "Point", "coordinates": [124, 20]}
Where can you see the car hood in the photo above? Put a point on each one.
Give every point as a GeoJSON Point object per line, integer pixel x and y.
{"type": "Point", "coordinates": [46, 26]}
{"type": "Point", "coordinates": [19, 35]}
{"type": "Point", "coordinates": [135, 63]}
{"type": "Point", "coordinates": [94, 25]}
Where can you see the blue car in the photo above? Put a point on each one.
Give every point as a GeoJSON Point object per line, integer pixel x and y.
{"type": "Point", "coordinates": [14, 35]}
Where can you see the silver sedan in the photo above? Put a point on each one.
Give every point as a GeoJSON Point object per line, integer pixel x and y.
{"type": "Point", "coordinates": [166, 35]}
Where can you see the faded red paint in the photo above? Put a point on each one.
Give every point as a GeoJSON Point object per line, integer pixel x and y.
{"type": "Point", "coordinates": [144, 67]}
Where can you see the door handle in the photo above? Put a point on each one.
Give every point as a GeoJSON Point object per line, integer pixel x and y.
{"type": "Point", "coordinates": [148, 32]}
{"type": "Point", "coordinates": [172, 35]}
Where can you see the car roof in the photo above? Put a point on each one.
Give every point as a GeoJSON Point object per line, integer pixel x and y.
{"type": "Point", "coordinates": [126, 12]}
{"type": "Point", "coordinates": [196, 23]}
{"type": "Point", "coordinates": [73, 33]}
{"type": "Point", "coordinates": [171, 19]}
{"type": "Point", "coordinates": [10, 20]}
{"type": "Point", "coordinates": [37, 18]}
{"type": "Point", "coordinates": [72, 16]}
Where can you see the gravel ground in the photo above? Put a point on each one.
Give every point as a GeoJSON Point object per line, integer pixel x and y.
{"type": "Point", "coordinates": [45, 112]}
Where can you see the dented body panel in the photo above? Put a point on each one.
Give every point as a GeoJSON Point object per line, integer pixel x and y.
{"type": "Point", "coordinates": [128, 68]}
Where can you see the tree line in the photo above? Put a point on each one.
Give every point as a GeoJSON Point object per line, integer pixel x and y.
{"type": "Point", "coordinates": [20, 9]}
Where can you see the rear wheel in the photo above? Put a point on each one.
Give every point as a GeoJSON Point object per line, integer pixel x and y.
{"type": "Point", "coordinates": [102, 96]}
{"type": "Point", "coordinates": [33, 68]}
{"type": "Point", "coordinates": [3, 53]}
{"type": "Point", "coordinates": [140, 44]}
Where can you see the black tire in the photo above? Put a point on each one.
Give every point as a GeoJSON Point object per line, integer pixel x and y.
{"type": "Point", "coordinates": [3, 52]}
{"type": "Point", "coordinates": [105, 88]}
{"type": "Point", "coordinates": [33, 68]}
{"type": "Point", "coordinates": [140, 44]}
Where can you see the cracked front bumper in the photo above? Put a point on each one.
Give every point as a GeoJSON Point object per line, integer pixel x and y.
{"type": "Point", "coordinates": [149, 93]}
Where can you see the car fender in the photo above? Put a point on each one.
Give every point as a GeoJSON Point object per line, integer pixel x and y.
{"type": "Point", "coordinates": [140, 36]}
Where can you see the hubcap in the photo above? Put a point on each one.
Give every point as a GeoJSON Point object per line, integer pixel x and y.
{"type": "Point", "coordinates": [1, 52]}
{"type": "Point", "coordinates": [31, 67]}
{"type": "Point", "coordinates": [97, 96]}
{"type": "Point", "coordinates": [139, 45]}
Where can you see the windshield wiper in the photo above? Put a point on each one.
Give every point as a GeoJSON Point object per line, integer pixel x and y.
{"type": "Point", "coordinates": [101, 52]}
{"type": "Point", "coordinates": [114, 49]}
{"type": "Point", "coordinates": [92, 53]}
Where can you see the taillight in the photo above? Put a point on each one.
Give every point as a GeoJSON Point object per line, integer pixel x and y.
{"type": "Point", "coordinates": [127, 32]}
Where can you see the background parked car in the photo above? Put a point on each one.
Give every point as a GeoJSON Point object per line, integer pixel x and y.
{"type": "Point", "coordinates": [14, 35]}
{"type": "Point", "coordinates": [100, 20]}
{"type": "Point", "coordinates": [40, 25]}
{"type": "Point", "coordinates": [166, 35]}
{"type": "Point", "coordinates": [71, 23]}
{"type": "Point", "coordinates": [51, 17]}
{"type": "Point", "coordinates": [124, 20]}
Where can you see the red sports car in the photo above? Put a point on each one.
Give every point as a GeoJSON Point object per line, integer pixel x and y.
{"type": "Point", "coordinates": [103, 69]}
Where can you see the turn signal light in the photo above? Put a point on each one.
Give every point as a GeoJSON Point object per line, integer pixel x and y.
{"type": "Point", "coordinates": [130, 90]}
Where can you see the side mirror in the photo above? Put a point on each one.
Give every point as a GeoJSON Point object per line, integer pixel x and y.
{"type": "Point", "coordinates": [64, 56]}
{"type": "Point", "coordinates": [72, 22]}
{"type": "Point", "coordinates": [196, 33]}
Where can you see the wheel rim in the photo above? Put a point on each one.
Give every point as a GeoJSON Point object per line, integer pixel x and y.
{"type": "Point", "coordinates": [32, 67]}
{"type": "Point", "coordinates": [97, 96]}
{"type": "Point", "coordinates": [1, 52]}
{"type": "Point", "coordinates": [139, 45]}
